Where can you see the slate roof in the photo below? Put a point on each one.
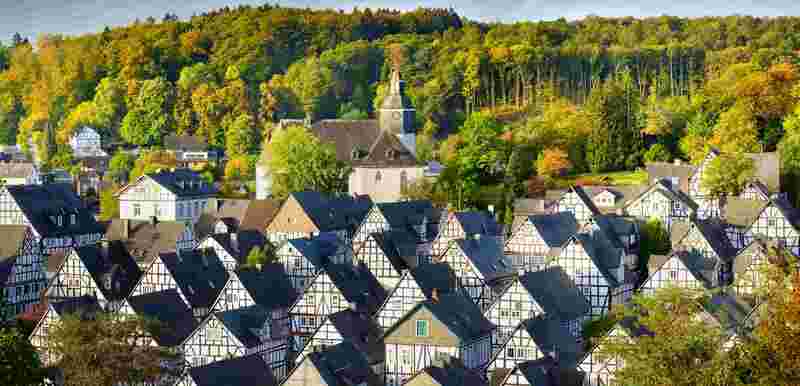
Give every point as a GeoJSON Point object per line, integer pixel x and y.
{"type": "Point", "coordinates": [458, 313]}
{"type": "Point", "coordinates": [199, 273]}
{"type": "Point", "coordinates": [728, 311]}
{"type": "Point", "coordinates": [665, 188]}
{"type": "Point", "coordinates": [551, 336]}
{"type": "Point", "coordinates": [85, 306]}
{"type": "Point", "coordinates": [39, 202]}
{"type": "Point", "coordinates": [439, 276]}
{"type": "Point", "coordinates": [486, 255]}
{"type": "Point", "coordinates": [342, 365]}
{"type": "Point", "coordinates": [547, 372]}
{"type": "Point", "coordinates": [244, 323]}
{"type": "Point", "coordinates": [245, 370]}
{"type": "Point", "coordinates": [230, 211]}
{"type": "Point", "coordinates": [170, 180]}
{"type": "Point", "coordinates": [17, 169]}
{"type": "Point", "coordinates": [714, 232]}
{"type": "Point", "coordinates": [605, 256]}
{"type": "Point", "coordinates": [362, 331]}
{"type": "Point", "coordinates": [556, 293]}
{"type": "Point", "coordinates": [452, 372]}
{"type": "Point", "coordinates": [407, 214]}
{"type": "Point", "coordinates": [6, 267]}
{"type": "Point", "coordinates": [317, 250]}
{"type": "Point", "coordinates": [358, 285]}
{"type": "Point", "coordinates": [400, 247]}
{"type": "Point", "coordinates": [145, 240]}
{"type": "Point", "coordinates": [270, 287]}
{"type": "Point", "coordinates": [176, 321]}
{"type": "Point", "coordinates": [333, 213]}
{"type": "Point", "coordinates": [114, 262]}
{"type": "Point", "coordinates": [555, 229]}
{"type": "Point", "coordinates": [701, 269]}
{"type": "Point", "coordinates": [387, 151]}
{"type": "Point", "coordinates": [478, 223]}
{"type": "Point", "coordinates": [185, 143]}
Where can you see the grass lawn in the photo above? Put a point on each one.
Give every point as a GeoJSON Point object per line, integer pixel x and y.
{"type": "Point", "coordinates": [614, 178]}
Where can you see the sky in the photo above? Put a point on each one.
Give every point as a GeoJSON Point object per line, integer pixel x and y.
{"type": "Point", "coordinates": [32, 17]}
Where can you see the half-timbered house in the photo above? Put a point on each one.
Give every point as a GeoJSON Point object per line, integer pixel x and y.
{"type": "Point", "coordinates": [246, 370]}
{"type": "Point", "coordinates": [311, 214]}
{"type": "Point", "coordinates": [756, 191]}
{"type": "Point", "coordinates": [242, 332]}
{"type": "Point", "coordinates": [337, 287]}
{"type": "Point", "coordinates": [339, 365]}
{"type": "Point", "coordinates": [418, 218]}
{"type": "Point", "coordinates": [537, 237]}
{"type": "Point", "coordinates": [176, 321]}
{"type": "Point", "coordinates": [446, 325]}
{"type": "Point", "coordinates": [598, 269]}
{"type": "Point", "coordinates": [83, 307]}
{"type": "Point", "coordinates": [417, 285]}
{"type": "Point", "coordinates": [304, 258]}
{"type": "Point", "coordinates": [107, 273]}
{"type": "Point", "coordinates": [534, 339]}
{"type": "Point", "coordinates": [167, 195]}
{"type": "Point", "coordinates": [707, 205]}
{"type": "Point", "coordinates": [22, 270]}
{"type": "Point", "coordinates": [447, 372]}
{"type": "Point", "coordinates": [598, 369]}
{"type": "Point", "coordinates": [541, 372]}
{"type": "Point", "coordinates": [664, 202]}
{"type": "Point", "coordinates": [707, 245]}
{"type": "Point", "coordinates": [55, 214]}
{"type": "Point", "coordinates": [357, 328]}
{"type": "Point", "coordinates": [464, 225]}
{"type": "Point", "coordinates": [86, 142]}
{"type": "Point", "coordinates": [198, 275]}
{"type": "Point", "coordinates": [749, 265]}
{"type": "Point", "coordinates": [678, 269]}
{"type": "Point", "coordinates": [388, 254]}
{"type": "Point", "coordinates": [777, 220]}
{"type": "Point", "coordinates": [144, 240]}
{"type": "Point", "coordinates": [481, 266]}
{"type": "Point", "coordinates": [577, 202]}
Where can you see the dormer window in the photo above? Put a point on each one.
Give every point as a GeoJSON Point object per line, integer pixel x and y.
{"type": "Point", "coordinates": [73, 219]}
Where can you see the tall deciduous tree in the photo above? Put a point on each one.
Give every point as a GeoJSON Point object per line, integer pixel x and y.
{"type": "Point", "coordinates": [728, 174]}
{"type": "Point", "coordinates": [297, 161]}
{"type": "Point", "coordinates": [148, 118]}
{"type": "Point", "coordinates": [552, 163]}
{"type": "Point", "coordinates": [19, 362]}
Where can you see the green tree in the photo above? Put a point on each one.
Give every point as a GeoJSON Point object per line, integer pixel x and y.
{"type": "Point", "coordinates": [299, 161]}
{"type": "Point", "coordinates": [151, 161]}
{"type": "Point", "coordinates": [657, 153]}
{"type": "Point", "coordinates": [654, 241]}
{"type": "Point", "coordinates": [256, 258]}
{"type": "Point", "coordinates": [148, 118]}
{"type": "Point", "coordinates": [109, 204]}
{"type": "Point", "coordinates": [727, 174]}
{"type": "Point", "coordinates": [241, 136]}
{"type": "Point", "coordinates": [120, 165]}
{"type": "Point", "coordinates": [19, 362]}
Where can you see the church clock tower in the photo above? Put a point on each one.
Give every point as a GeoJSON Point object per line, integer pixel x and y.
{"type": "Point", "coordinates": [396, 114]}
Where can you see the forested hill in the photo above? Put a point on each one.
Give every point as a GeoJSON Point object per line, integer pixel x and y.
{"type": "Point", "coordinates": [228, 74]}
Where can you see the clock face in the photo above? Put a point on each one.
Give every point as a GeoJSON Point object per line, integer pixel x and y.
{"type": "Point", "coordinates": [396, 115]}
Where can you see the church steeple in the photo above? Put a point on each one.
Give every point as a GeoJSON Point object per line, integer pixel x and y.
{"type": "Point", "coordinates": [396, 115]}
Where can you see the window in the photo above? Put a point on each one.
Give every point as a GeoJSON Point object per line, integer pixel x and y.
{"type": "Point", "coordinates": [405, 357]}
{"type": "Point", "coordinates": [510, 352]}
{"type": "Point", "coordinates": [377, 177]}
{"type": "Point", "coordinates": [137, 210]}
{"type": "Point", "coordinates": [673, 275]}
{"type": "Point", "coordinates": [422, 328]}
{"type": "Point", "coordinates": [771, 222]}
{"type": "Point", "coordinates": [73, 219]}
{"type": "Point", "coordinates": [156, 210]}
{"type": "Point", "coordinates": [214, 335]}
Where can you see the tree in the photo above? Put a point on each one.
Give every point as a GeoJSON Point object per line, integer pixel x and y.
{"type": "Point", "coordinates": [256, 258]}
{"type": "Point", "coordinates": [148, 118]}
{"type": "Point", "coordinates": [654, 241]}
{"type": "Point", "coordinates": [151, 161]}
{"type": "Point", "coordinates": [736, 131]}
{"type": "Point", "coordinates": [120, 165]}
{"type": "Point", "coordinates": [19, 362]}
{"type": "Point", "coordinates": [727, 174]}
{"type": "Point", "coordinates": [677, 348]}
{"type": "Point", "coordinates": [423, 189]}
{"type": "Point", "coordinates": [238, 169]}
{"type": "Point", "coordinates": [657, 153]}
{"type": "Point", "coordinates": [553, 163]}
{"type": "Point", "coordinates": [109, 205]}
{"type": "Point", "coordinates": [108, 350]}
{"type": "Point", "coordinates": [299, 161]}
{"type": "Point", "coordinates": [241, 136]}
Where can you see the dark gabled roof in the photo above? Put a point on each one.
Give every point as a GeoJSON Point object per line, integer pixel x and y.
{"type": "Point", "coordinates": [547, 372]}
{"type": "Point", "coordinates": [700, 268]}
{"type": "Point", "coordinates": [248, 370]}
{"type": "Point", "coordinates": [145, 240]}
{"type": "Point", "coordinates": [230, 211]}
{"type": "Point", "coordinates": [245, 323]}
{"type": "Point", "coordinates": [171, 180]}
{"type": "Point", "coordinates": [556, 293]}
{"type": "Point", "coordinates": [358, 285]}
{"type": "Point", "coordinates": [84, 306]}
{"type": "Point", "coordinates": [785, 207]}
{"type": "Point", "coordinates": [714, 232]}
{"type": "Point", "coordinates": [399, 246]}
{"type": "Point", "coordinates": [551, 336]}
{"type": "Point", "coordinates": [458, 313]}
{"type": "Point", "coordinates": [342, 365]}
{"type": "Point", "coordinates": [13, 239]}
{"type": "Point", "coordinates": [6, 267]}
{"type": "Point", "coordinates": [317, 250]}
{"type": "Point", "coordinates": [452, 372]}
{"type": "Point", "coordinates": [605, 256]}
{"type": "Point", "coordinates": [348, 135]}
{"type": "Point", "coordinates": [741, 212]}
{"type": "Point", "coordinates": [404, 215]}
{"type": "Point", "coordinates": [362, 331]}
{"type": "Point", "coordinates": [478, 223]}
{"type": "Point", "coordinates": [438, 276]}
{"type": "Point", "coordinates": [333, 213]}
{"type": "Point", "coordinates": [199, 274]}
{"type": "Point", "coordinates": [486, 255]}
{"type": "Point", "coordinates": [176, 321]}
{"type": "Point", "coordinates": [270, 287]}
{"type": "Point", "coordinates": [114, 262]}
{"type": "Point", "coordinates": [387, 151]}
{"type": "Point", "coordinates": [41, 202]}
{"type": "Point", "coordinates": [185, 143]}
{"type": "Point", "coordinates": [556, 228]}
{"type": "Point", "coordinates": [759, 187]}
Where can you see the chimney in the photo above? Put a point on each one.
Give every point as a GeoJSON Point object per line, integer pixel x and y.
{"type": "Point", "coordinates": [126, 228]}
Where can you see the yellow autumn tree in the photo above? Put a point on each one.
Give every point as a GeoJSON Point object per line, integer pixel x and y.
{"type": "Point", "coordinates": [553, 162]}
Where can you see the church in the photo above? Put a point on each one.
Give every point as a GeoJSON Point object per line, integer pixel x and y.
{"type": "Point", "coordinates": [381, 151]}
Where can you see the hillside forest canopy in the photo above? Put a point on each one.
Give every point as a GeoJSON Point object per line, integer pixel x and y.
{"type": "Point", "coordinates": [496, 103]}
